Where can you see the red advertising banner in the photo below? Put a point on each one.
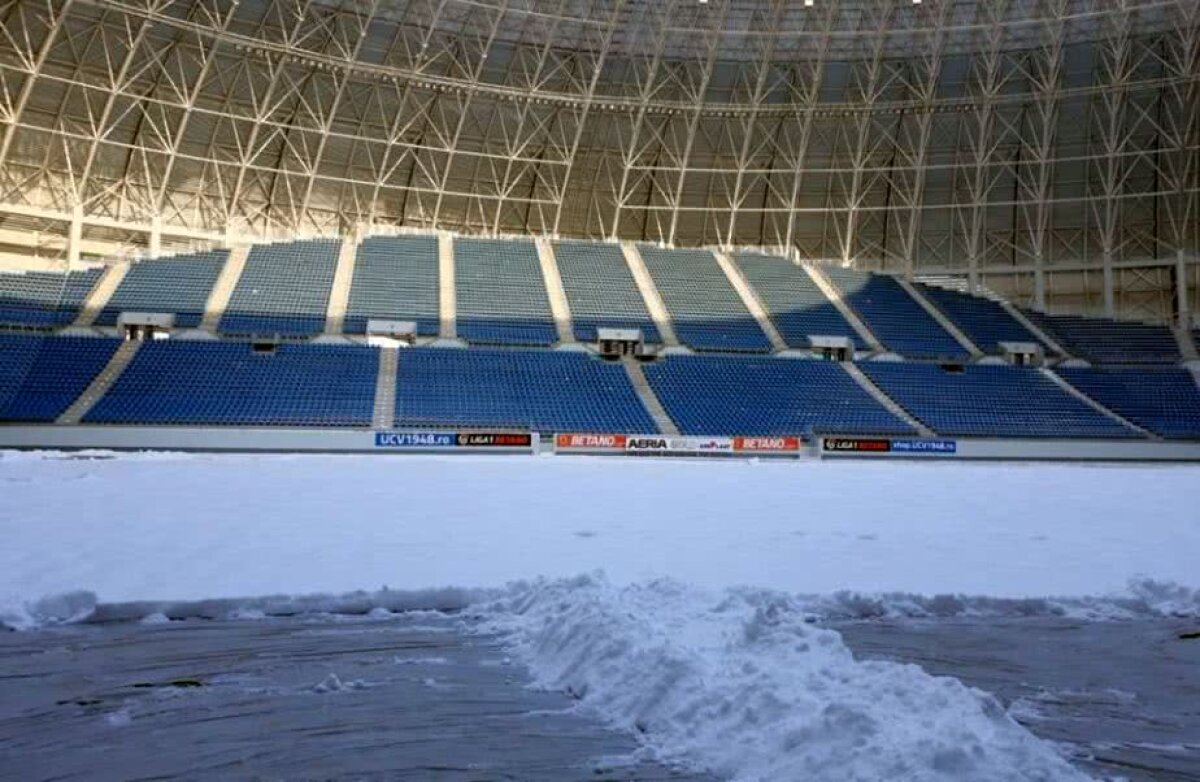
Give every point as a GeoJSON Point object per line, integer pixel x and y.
{"type": "Point", "coordinates": [744, 444]}
{"type": "Point", "coordinates": [606, 442]}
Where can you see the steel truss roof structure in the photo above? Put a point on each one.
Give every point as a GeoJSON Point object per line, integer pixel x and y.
{"type": "Point", "coordinates": [1049, 149]}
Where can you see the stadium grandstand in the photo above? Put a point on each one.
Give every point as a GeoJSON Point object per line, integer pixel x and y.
{"type": "Point", "coordinates": [919, 221]}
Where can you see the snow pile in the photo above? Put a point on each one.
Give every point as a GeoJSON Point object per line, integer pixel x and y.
{"type": "Point", "coordinates": [740, 684]}
{"type": "Point", "coordinates": [63, 608]}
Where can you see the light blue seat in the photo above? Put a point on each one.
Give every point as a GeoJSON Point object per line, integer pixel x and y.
{"type": "Point", "coordinates": [179, 285]}
{"type": "Point", "coordinates": [44, 299]}
{"type": "Point", "coordinates": [796, 306]}
{"type": "Point", "coordinates": [705, 310]}
{"type": "Point", "coordinates": [395, 278]}
{"type": "Point", "coordinates": [501, 296]}
{"type": "Point", "coordinates": [601, 291]}
{"type": "Point", "coordinates": [284, 289]}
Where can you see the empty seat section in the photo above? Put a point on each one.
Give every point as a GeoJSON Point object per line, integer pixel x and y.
{"type": "Point", "coordinates": [1164, 400]}
{"type": "Point", "coordinates": [179, 285]}
{"type": "Point", "coordinates": [226, 383]}
{"type": "Point", "coordinates": [985, 322]}
{"type": "Point", "coordinates": [32, 298]}
{"type": "Point", "coordinates": [731, 395]}
{"type": "Point", "coordinates": [284, 289]}
{"type": "Point", "coordinates": [1106, 341]}
{"type": "Point", "coordinates": [601, 290]}
{"type": "Point", "coordinates": [40, 376]}
{"type": "Point", "coordinates": [395, 278]}
{"type": "Point", "coordinates": [544, 391]}
{"type": "Point", "coordinates": [706, 311]}
{"type": "Point", "coordinates": [894, 317]}
{"type": "Point", "coordinates": [797, 307]}
{"type": "Point", "coordinates": [501, 295]}
{"type": "Point", "coordinates": [990, 401]}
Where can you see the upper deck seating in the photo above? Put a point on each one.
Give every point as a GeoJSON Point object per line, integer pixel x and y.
{"type": "Point", "coordinates": [284, 289]}
{"type": "Point", "coordinates": [546, 391]}
{"type": "Point", "coordinates": [991, 401]}
{"type": "Point", "coordinates": [40, 376]}
{"type": "Point", "coordinates": [894, 317]}
{"type": "Point", "coordinates": [982, 320]}
{"type": "Point", "coordinates": [601, 290]}
{"type": "Point", "coordinates": [797, 307]}
{"type": "Point", "coordinates": [179, 285]}
{"type": "Point", "coordinates": [706, 311]}
{"type": "Point", "coordinates": [501, 295]}
{"type": "Point", "coordinates": [1106, 341]}
{"type": "Point", "coordinates": [718, 395]}
{"type": "Point", "coordinates": [227, 383]}
{"type": "Point", "coordinates": [395, 278]}
{"type": "Point", "coordinates": [1164, 400]}
{"type": "Point", "coordinates": [44, 299]}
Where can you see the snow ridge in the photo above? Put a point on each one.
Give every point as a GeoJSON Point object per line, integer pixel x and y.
{"type": "Point", "coordinates": [741, 684]}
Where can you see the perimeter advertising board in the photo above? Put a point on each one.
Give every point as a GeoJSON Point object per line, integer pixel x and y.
{"type": "Point", "coordinates": [878, 446]}
{"type": "Point", "coordinates": [676, 445]}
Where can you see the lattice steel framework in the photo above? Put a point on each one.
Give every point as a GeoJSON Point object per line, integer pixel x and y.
{"type": "Point", "coordinates": [1049, 149]}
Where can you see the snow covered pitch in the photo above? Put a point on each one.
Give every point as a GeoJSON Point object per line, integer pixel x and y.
{"type": "Point", "coordinates": [697, 636]}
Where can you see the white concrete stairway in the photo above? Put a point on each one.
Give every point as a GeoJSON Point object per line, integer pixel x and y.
{"type": "Point", "coordinates": [650, 295]}
{"type": "Point", "coordinates": [1187, 347]}
{"type": "Point", "coordinates": [882, 398]}
{"type": "Point", "coordinates": [1062, 383]}
{"type": "Point", "coordinates": [447, 301]}
{"type": "Point", "coordinates": [649, 399]}
{"type": "Point", "coordinates": [834, 294]}
{"type": "Point", "coordinates": [559, 306]}
{"type": "Point", "coordinates": [339, 293]}
{"type": "Point", "coordinates": [383, 414]}
{"type": "Point", "coordinates": [101, 383]}
{"type": "Point", "coordinates": [927, 305]}
{"type": "Point", "coordinates": [1033, 328]}
{"type": "Point", "coordinates": [98, 298]}
{"type": "Point", "coordinates": [750, 299]}
{"type": "Point", "coordinates": [218, 299]}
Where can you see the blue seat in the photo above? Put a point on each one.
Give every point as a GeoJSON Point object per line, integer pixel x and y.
{"type": "Point", "coordinates": [1164, 400]}
{"type": "Point", "coordinates": [225, 383]}
{"type": "Point", "coordinates": [991, 401]}
{"type": "Point", "coordinates": [44, 299]}
{"type": "Point", "coordinates": [41, 376]}
{"type": "Point", "coordinates": [894, 317]}
{"type": "Point", "coordinates": [984, 321]}
{"type": "Point", "coordinates": [1107, 341]}
{"type": "Point", "coordinates": [544, 391]}
{"type": "Point", "coordinates": [796, 306]}
{"type": "Point", "coordinates": [718, 395]}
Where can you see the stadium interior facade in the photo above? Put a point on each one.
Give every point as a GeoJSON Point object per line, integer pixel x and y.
{"type": "Point", "coordinates": [979, 219]}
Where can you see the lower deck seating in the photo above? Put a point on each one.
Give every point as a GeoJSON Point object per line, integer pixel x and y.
{"type": "Point", "coordinates": [544, 391]}
{"type": "Point", "coordinates": [227, 383]}
{"type": "Point", "coordinates": [991, 401]}
{"type": "Point", "coordinates": [1164, 400]}
{"type": "Point", "coordinates": [41, 376]}
{"type": "Point", "coordinates": [710, 395]}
